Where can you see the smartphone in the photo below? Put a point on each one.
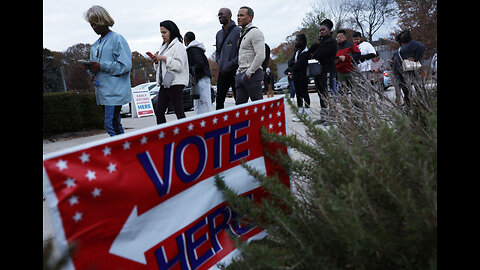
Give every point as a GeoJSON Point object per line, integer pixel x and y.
{"type": "Point", "coordinates": [85, 63]}
{"type": "Point", "coordinates": [150, 54]}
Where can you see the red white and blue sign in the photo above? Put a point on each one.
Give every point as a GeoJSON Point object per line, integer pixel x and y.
{"type": "Point", "coordinates": [147, 199]}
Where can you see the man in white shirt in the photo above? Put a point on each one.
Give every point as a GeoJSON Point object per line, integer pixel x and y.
{"type": "Point", "coordinates": [367, 53]}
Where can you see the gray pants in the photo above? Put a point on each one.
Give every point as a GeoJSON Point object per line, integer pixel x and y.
{"type": "Point", "coordinates": [249, 88]}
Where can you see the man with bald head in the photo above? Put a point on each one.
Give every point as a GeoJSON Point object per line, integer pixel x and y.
{"type": "Point", "coordinates": [226, 55]}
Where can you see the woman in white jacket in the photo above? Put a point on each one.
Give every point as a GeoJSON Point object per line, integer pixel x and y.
{"type": "Point", "coordinates": [172, 57]}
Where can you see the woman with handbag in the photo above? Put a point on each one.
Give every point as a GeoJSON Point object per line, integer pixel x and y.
{"type": "Point", "coordinates": [171, 64]}
{"type": "Point", "coordinates": [406, 62]}
{"type": "Point", "coordinates": [199, 74]}
{"type": "Point", "coordinates": [324, 51]}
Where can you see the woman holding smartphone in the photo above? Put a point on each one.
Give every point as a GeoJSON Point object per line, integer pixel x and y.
{"type": "Point", "coordinates": [110, 64]}
{"type": "Point", "coordinates": [171, 61]}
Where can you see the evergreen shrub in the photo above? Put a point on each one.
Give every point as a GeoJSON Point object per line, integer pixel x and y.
{"type": "Point", "coordinates": [70, 111]}
{"type": "Point", "coordinates": [363, 191]}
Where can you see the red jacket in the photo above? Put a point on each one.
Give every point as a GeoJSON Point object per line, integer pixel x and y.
{"type": "Point", "coordinates": [349, 50]}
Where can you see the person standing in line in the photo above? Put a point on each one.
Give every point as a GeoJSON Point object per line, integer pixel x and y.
{"type": "Point", "coordinates": [347, 56]}
{"type": "Point", "coordinates": [172, 58]}
{"type": "Point", "coordinates": [268, 83]}
{"type": "Point", "coordinates": [367, 52]}
{"type": "Point", "coordinates": [376, 72]}
{"type": "Point", "coordinates": [251, 54]}
{"type": "Point", "coordinates": [324, 52]}
{"type": "Point", "coordinates": [200, 72]}
{"type": "Point", "coordinates": [110, 64]}
{"type": "Point", "coordinates": [288, 72]}
{"type": "Point", "coordinates": [226, 55]}
{"type": "Point", "coordinates": [409, 49]}
{"type": "Point", "coordinates": [299, 63]}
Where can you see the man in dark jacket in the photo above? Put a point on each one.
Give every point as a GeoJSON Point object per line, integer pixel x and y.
{"type": "Point", "coordinates": [226, 55]}
{"type": "Point", "coordinates": [324, 51]}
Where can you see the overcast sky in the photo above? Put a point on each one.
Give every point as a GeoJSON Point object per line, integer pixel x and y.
{"type": "Point", "coordinates": [139, 20]}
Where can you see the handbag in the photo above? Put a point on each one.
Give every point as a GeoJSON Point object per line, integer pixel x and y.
{"type": "Point", "coordinates": [168, 79]}
{"type": "Point", "coordinates": [314, 68]}
{"type": "Point", "coordinates": [408, 65]}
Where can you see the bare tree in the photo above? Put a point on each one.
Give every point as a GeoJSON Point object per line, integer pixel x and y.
{"type": "Point", "coordinates": [370, 15]}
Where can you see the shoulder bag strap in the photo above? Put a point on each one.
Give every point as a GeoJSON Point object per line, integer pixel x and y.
{"type": "Point", "coordinates": [242, 36]}
{"type": "Point", "coordinates": [225, 37]}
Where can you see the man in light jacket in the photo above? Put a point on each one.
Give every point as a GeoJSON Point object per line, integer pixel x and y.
{"type": "Point", "coordinates": [248, 80]}
{"type": "Point", "coordinates": [226, 55]}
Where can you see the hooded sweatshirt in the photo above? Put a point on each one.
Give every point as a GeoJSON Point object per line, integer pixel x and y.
{"type": "Point", "coordinates": [197, 61]}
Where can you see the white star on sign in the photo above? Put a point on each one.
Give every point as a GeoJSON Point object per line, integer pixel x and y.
{"type": "Point", "coordinates": [143, 140]}
{"type": "Point", "coordinates": [78, 216]}
{"type": "Point", "coordinates": [84, 157]}
{"type": "Point", "coordinates": [190, 127]}
{"type": "Point", "coordinates": [225, 117]}
{"type": "Point", "coordinates": [175, 131]}
{"type": "Point", "coordinates": [70, 182]}
{"type": "Point", "coordinates": [73, 200]}
{"type": "Point", "coordinates": [107, 151]}
{"type": "Point", "coordinates": [202, 124]}
{"type": "Point", "coordinates": [96, 192]}
{"type": "Point", "coordinates": [161, 135]}
{"type": "Point", "coordinates": [112, 167]}
{"type": "Point", "coordinates": [215, 120]}
{"type": "Point", "coordinates": [255, 109]}
{"type": "Point", "coordinates": [61, 164]}
{"type": "Point", "coordinates": [278, 113]}
{"type": "Point", "coordinates": [270, 126]}
{"type": "Point", "coordinates": [126, 145]}
{"type": "Point", "coordinates": [246, 112]}
{"type": "Point", "coordinates": [90, 175]}
{"type": "Point", "coordinates": [237, 114]}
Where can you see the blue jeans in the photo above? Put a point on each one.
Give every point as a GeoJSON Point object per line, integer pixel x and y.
{"type": "Point", "coordinates": [112, 120]}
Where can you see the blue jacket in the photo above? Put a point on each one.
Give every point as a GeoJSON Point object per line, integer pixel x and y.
{"type": "Point", "coordinates": [227, 57]}
{"type": "Point", "coordinates": [115, 58]}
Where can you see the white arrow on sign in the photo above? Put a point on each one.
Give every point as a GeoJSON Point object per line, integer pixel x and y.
{"type": "Point", "coordinates": [141, 233]}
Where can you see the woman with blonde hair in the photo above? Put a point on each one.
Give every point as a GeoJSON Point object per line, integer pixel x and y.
{"type": "Point", "coordinates": [110, 64]}
{"type": "Point", "coordinates": [171, 64]}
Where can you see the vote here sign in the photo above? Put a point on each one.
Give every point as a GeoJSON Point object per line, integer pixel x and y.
{"type": "Point", "coordinates": [147, 199]}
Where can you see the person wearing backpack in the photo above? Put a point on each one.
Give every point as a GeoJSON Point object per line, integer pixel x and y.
{"type": "Point", "coordinates": [251, 55]}
{"type": "Point", "coordinates": [226, 55]}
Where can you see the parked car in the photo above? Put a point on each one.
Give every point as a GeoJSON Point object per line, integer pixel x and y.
{"type": "Point", "coordinates": [281, 85]}
{"type": "Point", "coordinates": [387, 81]}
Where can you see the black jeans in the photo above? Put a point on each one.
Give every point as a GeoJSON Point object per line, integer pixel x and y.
{"type": "Point", "coordinates": [224, 82]}
{"type": "Point", "coordinates": [173, 94]}
{"type": "Point", "coordinates": [249, 88]}
{"type": "Point", "coordinates": [321, 84]}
